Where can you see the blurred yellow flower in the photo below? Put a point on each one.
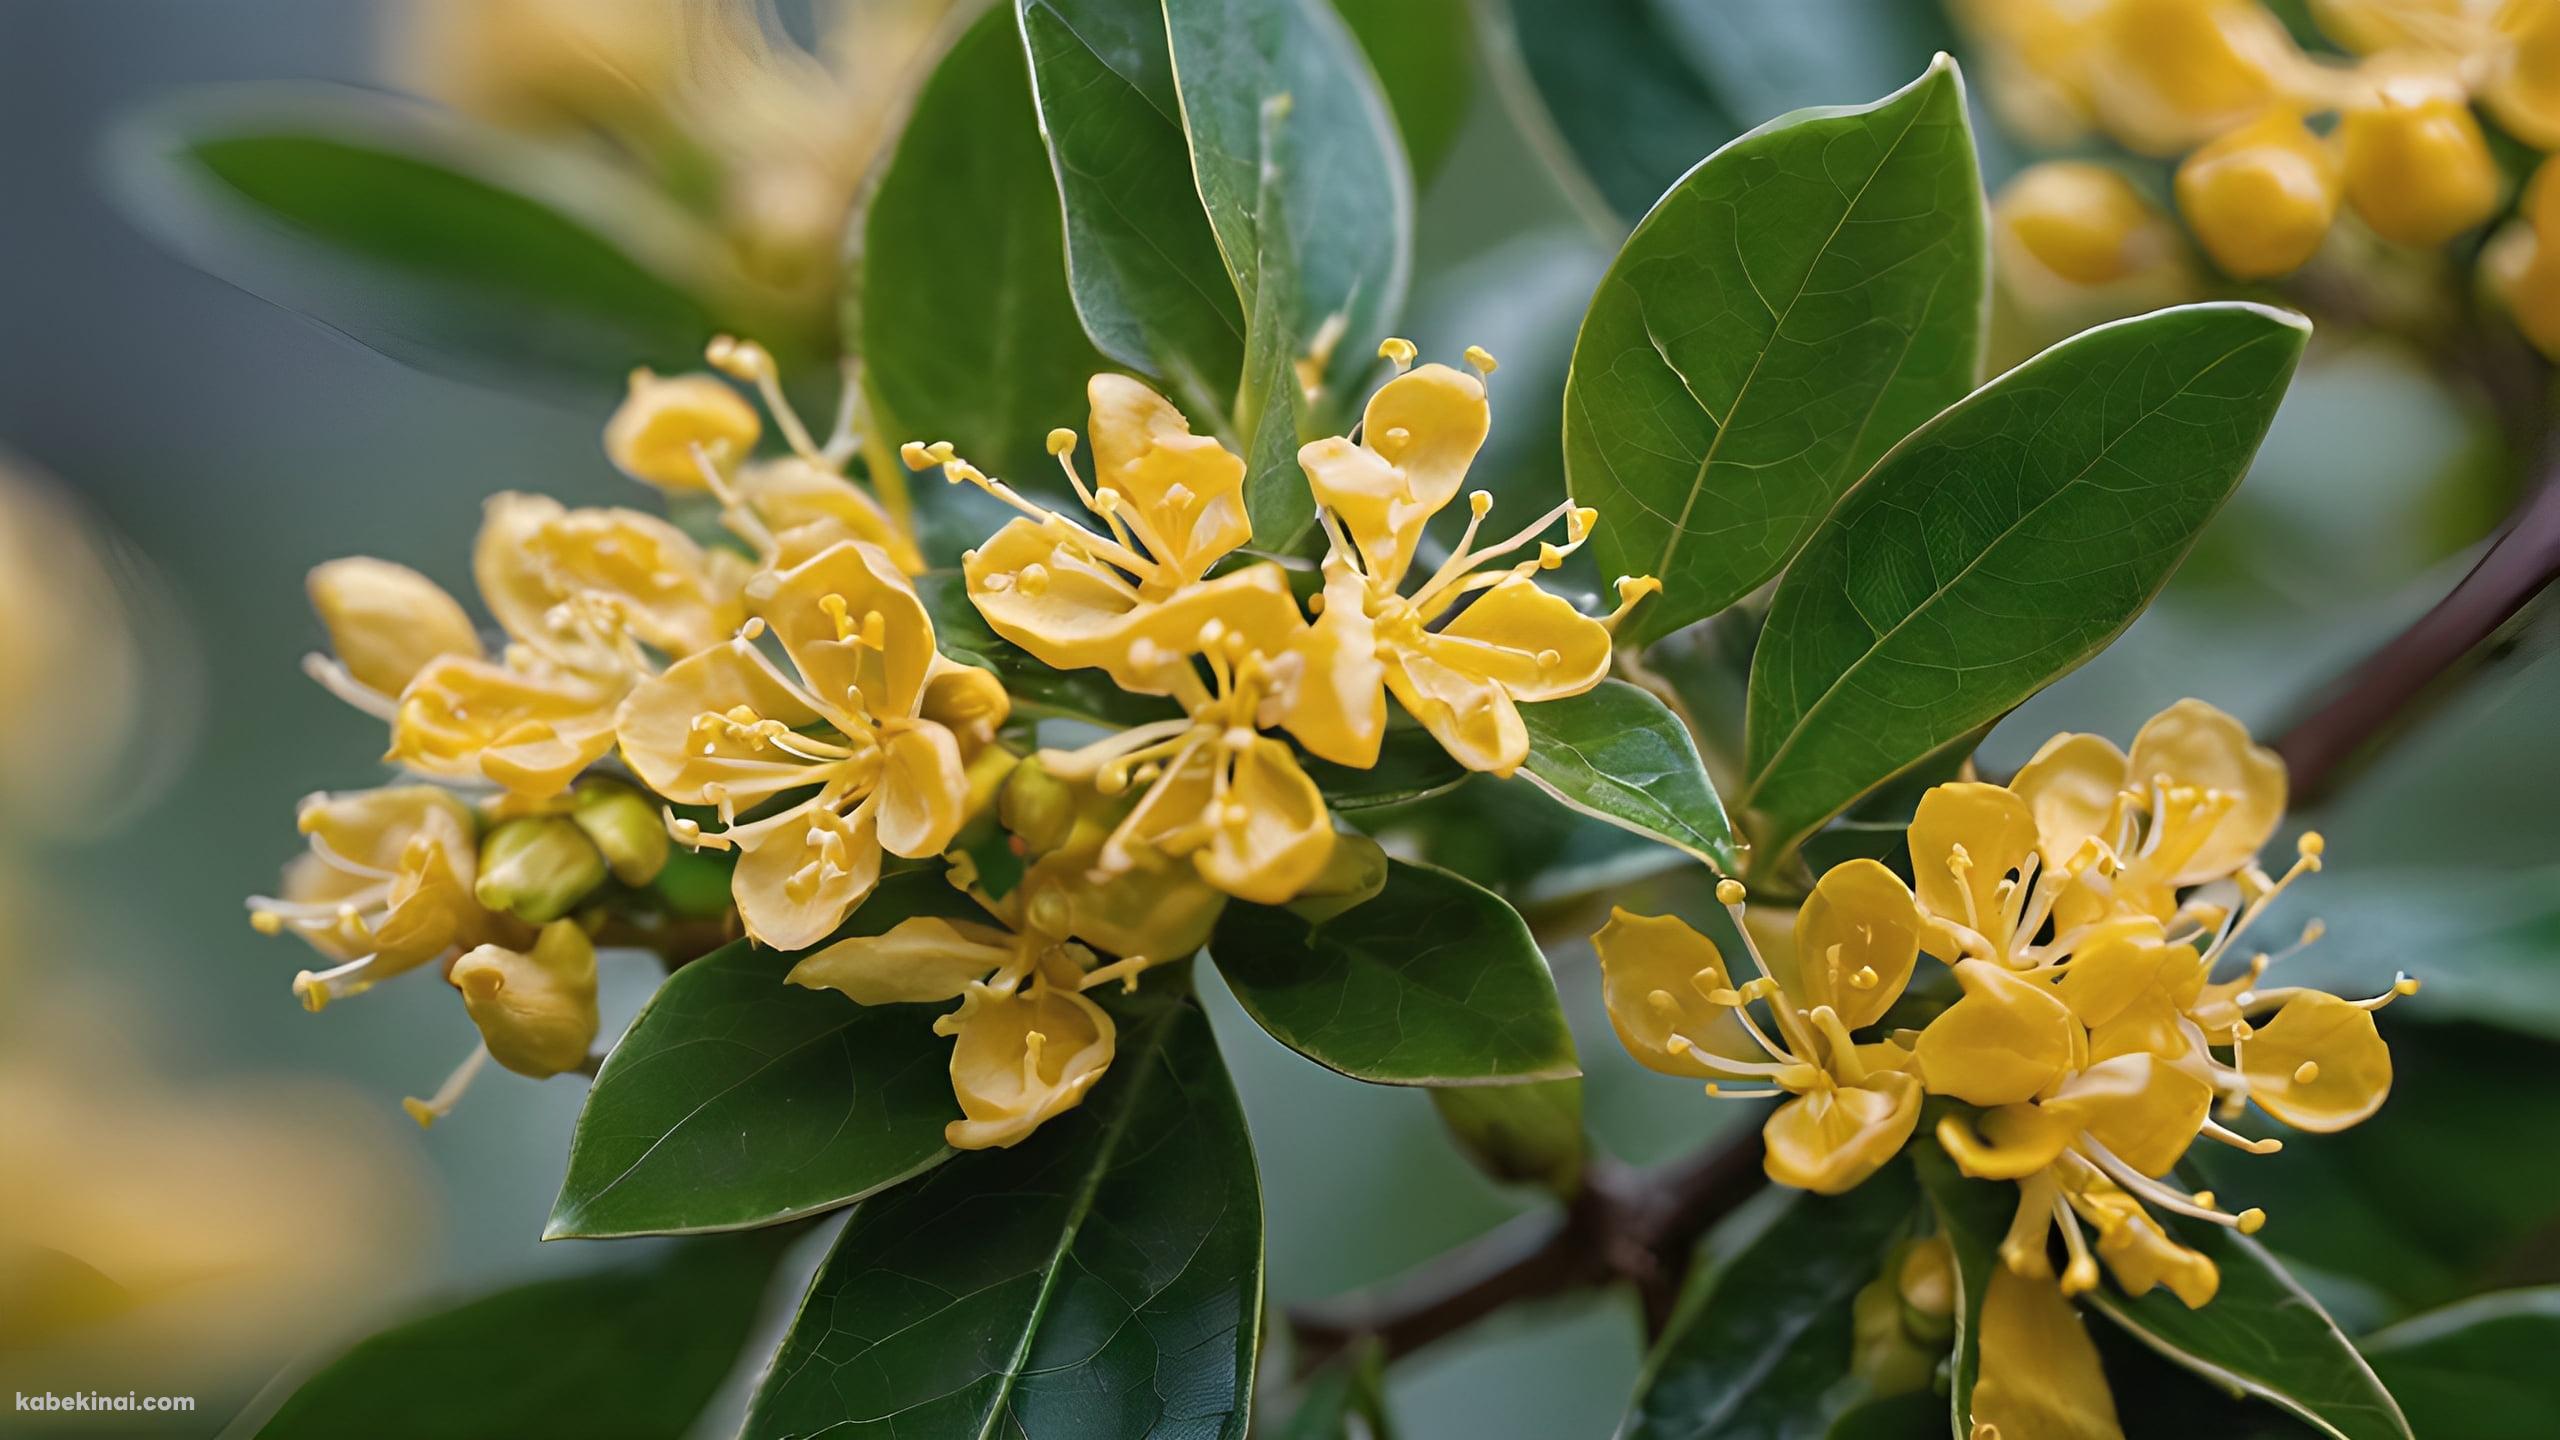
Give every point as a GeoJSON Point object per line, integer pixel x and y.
{"type": "Point", "coordinates": [2261, 197]}
{"type": "Point", "coordinates": [2039, 1377]}
{"type": "Point", "coordinates": [387, 887]}
{"type": "Point", "coordinates": [669, 430]}
{"type": "Point", "coordinates": [2417, 168]}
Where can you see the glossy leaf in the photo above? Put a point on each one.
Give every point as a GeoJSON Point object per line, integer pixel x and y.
{"type": "Point", "coordinates": [1037, 690]}
{"type": "Point", "coordinates": [2264, 1334]}
{"type": "Point", "coordinates": [2482, 940]}
{"type": "Point", "coordinates": [1434, 981]}
{"type": "Point", "coordinates": [1973, 1215]}
{"type": "Point", "coordinates": [1276, 98]}
{"type": "Point", "coordinates": [2481, 1369]}
{"type": "Point", "coordinates": [2001, 545]}
{"type": "Point", "coordinates": [737, 1100]}
{"type": "Point", "coordinates": [1618, 754]}
{"type": "Point", "coordinates": [414, 236]}
{"type": "Point", "coordinates": [1606, 83]}
{"type": "Point", "coordinates": [1273, 416]}
{"type": "Point", "coordinates": [634, 1351]}
{"type": "Point", "coordinates": [1345, 1399]}
{"type": "Point", "coordinates": [1104, 1277]}
{"type": "Point", "coordinates": [1796, 304]}
{"type": "Point", "coordinates": [1519, 1134]}
{"type": "Point", "coordinates": [1411, 766]}
{"type": "Point", "coordinates": [968, 332]}
{"type": "Point", "coordinates": [1142, 262]}
{"type": "Point", "coordinates": [1426, 67]}
{"type": "Point", "coordinates": [1759, 1349]}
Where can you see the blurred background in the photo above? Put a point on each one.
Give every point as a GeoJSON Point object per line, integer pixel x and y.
{"type": "Point", "coordinates": [203, 1185]}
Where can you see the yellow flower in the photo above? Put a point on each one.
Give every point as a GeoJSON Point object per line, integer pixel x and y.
{"type": "Point", "coordinates": [386, 623]}
{"type": "Point", "coordinates": [1463, 675]}
{"type": "Point", "coordinates": [386, 887]}
{"type": "Point", "coordinates": [578, 593]}
{"type": "Point", "coordinates": [726, 728]}
{"type": "Point", "coordinates": [794, 505]}
{"type": "Point", "coordinates": [1212, 788]}
{"type": "Point", "coordinates": [669, 431]}
{"type": "Point", "coordinates": [1130, 602]}
{"type": "Point", "coordinates": [535, 1009]}
{"type": "Point", "coordinates": [2524, 261]}
{"type": "Point", "coordinates": [2167, 74]}
{"type": "Point", "coordinates": [1851, 1106]}
{"type": "Point", "coordinates": [2523, 88]}
{"type": "Point", "coordinates": [2039, 1376]}
{"type": "Point", "coordinates": [2418, 170]}
{"type": "Point", "coordinates": [2261, 198]}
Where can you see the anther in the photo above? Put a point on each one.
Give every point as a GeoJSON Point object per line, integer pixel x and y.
{"type": "Point", "coordinates": [1482, 360]}
{"type": "Point", "coordinates": [1062, 441]}
{"type": "Point", "coordinates": [1730, 892]}
{"type": "Point", "coordinates": [1396, 350]}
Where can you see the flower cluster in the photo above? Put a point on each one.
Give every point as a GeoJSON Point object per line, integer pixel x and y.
{"type": "Point", "coordinates": [2093, 913]}
{"type": "Point", "coordinates": [2273, 140]}
{"type": "Point", "coordinates": [779, 694]}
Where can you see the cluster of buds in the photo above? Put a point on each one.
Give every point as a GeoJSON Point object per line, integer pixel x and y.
{"type": "Point", "coordinates": [2094, 913]}
{"type": "Point", "coordinates": [2272, 141]}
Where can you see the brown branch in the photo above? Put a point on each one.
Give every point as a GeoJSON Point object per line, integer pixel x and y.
{"type": "Point", "coordinates": [1624, 1224]}
{"type": "Point", "coordinates": [2517, 567]}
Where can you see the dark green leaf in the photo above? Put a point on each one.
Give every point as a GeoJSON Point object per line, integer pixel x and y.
{"type": "Point", "coordinates": [1434, 981]}
{"type": "Point", "coordinates": [2001, 545]}
{"type": "Point", "coordinates": [968, 332]}
{"type": "Point", "coordinates": [2484, 941]}
{"type": "Point", "coordinates": [1973, 1215]}
{"type": "Point", "coordinates": [1142, 261]}
{"type": "Point", "coordinates": [1520, 1134]}
{"type": "Point", "coordinates": [1297, 158]}
{"type": "Point", "coordinates": [410, 235]}
{"type": "Point", "coordinates": [738, 1100]}
{"type": "Point", "coordinates": [2481, 1370]}
{"type": "Point", "coordinates": [1421, 51]}
{"type": "Point", "coordinates": [2263, 1333]}
{"type": "Point", "coordinates": [1794, 306]}
{"type": "Point", "coordinates": [1606, 79]}
{"type": "Point", "coordinates": [630, 1352]}
{"type": "Point", "coordinates": [1618, 754]}
{"type": "Point", "coordinates": [1411, 766]}
{"type": "Point", "coordinates": [1104, 1277]}
{"type": "Point", "coordinates": [1346, 1399]}
{"type": "Point", "coordinates": [1916, 1415]}
{"type": "Point", "coordinates": [1761, 1349]}
{"type": "Point", "coordinates": [1037, 690]}
{"type": "Point", "coordinates": [1272, 414]}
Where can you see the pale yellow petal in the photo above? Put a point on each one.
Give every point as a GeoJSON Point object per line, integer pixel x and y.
{"type": "Point", "coordinates": [1272, 834]}
{"type": "Point", "coordinates": [386, 622]}
{"type": "Point", "coordinates": [2143, 1108]}
{"type": "Point", "coordinates": [1187, 490]}
{"type": "Point", "coordinates": [551, 574]}
{"type": "Point", "coordinates": [1533, 644]}
{"type": "Point", "coordinates": [1655, 975]}
{"type": "Point", "coordinates": [2010, 1142]}
{"type": "Point", "coordinates": [1429, 423]}
{"type": "Point", "coordinates": [536, 1010]}
{"type": "Point", "coordinates": [2071, 787]}
{"type": "Point", "coordinates": [1831, 1139]}
{"type": "Point", "coordinates": [854, 629]}
{"type": "Point", "coordinates": [1857, 939]}
{"type": "Point", "coordinates": [2040, 1378]}
{"type": "Point", "coordinates": [463, 719]}
{"type": "Point", "coordinates": [922, 959]}
{"type": "Point", "coordinates": [681, 731]}
{"type": "Point", "coordinates": [790, 493]}
{"type": "Point", "coordinates": [802, 871]}
{"type": "Point", "coordinates": [2319, 1065]}
{"type": "Point", "coordinates": [924, 790]}
{"type": "Point", "coordinates": [654, 432]}
{"type": "Point", "coordinates": [1472, 717]}
{"type": "Point", "coordinates": [1370, 497]}
{"type": "Point", "coordinates": [1021, 1059]}
{"type": "Point", "coordinates": [1965, 838]}
{"type": "Point", "coordinates": [2003, 1043]}
{"type": "Point", "coordinates": [1338, 705]}
{"type": "Point", "coordinates": [2195, 745]}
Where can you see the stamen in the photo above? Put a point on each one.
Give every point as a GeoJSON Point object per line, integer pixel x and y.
{"type": "Point", "coordinates": [316, 988]}
{"type": "Point", "coordinates": [2236, 1141]}
{"type": "Point", "coordinates": [335, 678]}
{"type": "Point", "coordinates": [448, 1095]}
{"type": "Point", "coordinates": [1397, 352]}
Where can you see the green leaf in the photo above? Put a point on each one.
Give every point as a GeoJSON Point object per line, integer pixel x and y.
{"type": "Point", "coordinates": [1973, 1215]}
{"type": "Point", "coordinates": [1297, 157]}
{"type": "Point", "coordinates": [1420, 50]}
{"type": "Point", "coordinates": [1104, 1277]}
{"type": "Point", "coordinates": [2483, 941]}
{"type": "Point", "coordinates": [1272, 413]}
{"type": "Point", "coordinates": [1916, 1415]}
{"type": "Point", "coordinates": [1606, 84]}
{"type": "Point", "coordinates": [1618, 754]}
{"type": "Point", "coordinates": [1434, 981]}
{"type": "Point", "coordinates": [2481, 1369]}
{"type": "Point", "coordinates": [2001, 545]}
{"type": "Point", "coordinates": [737, 1100]}
{"type": "Point", "coordinates": [1345, 1399]}
{"type": "Point", "coordinates": [2264, 1334]}
{"type": "Point", "coordinates": [633, 1351]}
{"type": "Point", "coordinates": [1760, 1349]}
{"type": "Point", "coordinates": [968, 332]}
{"type": "Point", "coordinates": [1142, 262]}
{"type": "Point", "coordinates": [1519, 1134]}
{"type": "Point", "coordinates": [412, 235]}
{"type": "Point", "coordinates": [961, 633]}
{"type": "Point", "coordinates": [1411, 766]}
{"type": "Point", "coordinates": [1795, 305]}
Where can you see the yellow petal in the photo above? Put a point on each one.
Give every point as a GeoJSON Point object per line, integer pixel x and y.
{"type": "Point", "coordinates": [1472, 717]}
{"type": "Point", "coordinates": [1338, 707]}
{"type": "Point", "coordinates": [465, 719]}
{"type": "Point", "coordinates": [800, 872]}
{"type": "Point", "coordinates": [1429, 423]}
{"type": "Point", "coordinates": [1857, 939]}
{"type": "Point", "coordinates": [1020, 1059]}
{"type": "Point", "coordinates": [1187, 490]}
{"type": "Point", "coordinates": [2320, 1065]}
{"type": "Point", "coordinates": [1831, 1139]}
{"type": "Point", "coordinates": [966, 700]}
{"type": "Point", "coordinates": [2003, 1043]}
{"type": "Point", "coordinates": [2143, 1108]}
{"type": "Point", "coordinates": [539, 565]}
{"type": "Point", "coordinates": [790, 494]}
{"type": "Point", "coordinates": [924, 790]}
{"type": "Point", "coordinates": [853, 628]}
{"type": "Point", "coordinates": [1273, 834]}
{"type": "Point", "coordinates": [1655, 973]}
{"type": "Point", "coordinates": [2040, 1378]}
{"type": "Point", "coordinates": [423, 838]}
{"type": "Point", "coordinates": [2524, 78]}
{"type": "Point", "coordinates": [1371, 499]}
{"type": "Point", "coordinates": [653, 432]}
{"type": "Point", "coordinates": [1160, 913]}
{"type": "Point", "coordinates": [1043, 590]}
{"type": "Point", "coordinates": [2071, 787]}
{"type": "Point", "coordinates": [2011, 1142]}
{"type": "Point", "coordinates": [661, 740]}
{"type": "Point", "coordinates": [1536, 646]}
{"type": "Point", "coordinates": [917, 961]}
{"type": "Point", "coordinates": [2198, 746]}
{"type": "Point", "coordinates": [1981, 832]}
{"type": "Point", "coordinates": [2137, 1251]}
{"type": "Point", "coordinates": [536, 1011]}
{"type": "Point", "coordinates": [386, 621]}
{"type": "Point", "coordinates": [2121, 959]}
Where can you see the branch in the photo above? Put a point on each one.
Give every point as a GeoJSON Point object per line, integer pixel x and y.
{"type": "Point", "coordinates": [2518, 565]}
{"type": "Point", "coordinates": [1625, 1224]}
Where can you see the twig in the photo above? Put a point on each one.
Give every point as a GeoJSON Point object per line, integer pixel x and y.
{"type": "Point", "coordinates": [1636, 1226]}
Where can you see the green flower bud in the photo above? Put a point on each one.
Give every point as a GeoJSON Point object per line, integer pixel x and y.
{"type": "Point", "coordinates": [537, 868]}
{"type": "Point", "coordinates": [1356, 872]}
{"type": "Point", "coordinates": [626, 828]}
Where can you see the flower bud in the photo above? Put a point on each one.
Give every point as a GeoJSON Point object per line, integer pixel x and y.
{"type": "Point", "coordinates": [1352, 875]}
{"type": "Point", "coordinates": [537, 1011]}
{"type": "Point", "coordinates": [2261, 198]}
{"type": "Point", "coordinates": [2523, 88]}
{"type": "Point", "coordinates": [2417, 167]}
{"type": "Point", "coordinates": [652, 435]}
{"type": "Point", "coordinates": [2165, 74]}
{"type": "Point", "coordinates": [1038, 807]}
{"type": "Point", "coordinates": [538, 868]}
{"type": "Point", "coordinates": [2073, 223]}
{"type": "Point", "coordinates": [386, 621]}
{"type": "Point", "coordinates": [626, 829]}
{"type": "Point", "coordinates": [1925, 1278]}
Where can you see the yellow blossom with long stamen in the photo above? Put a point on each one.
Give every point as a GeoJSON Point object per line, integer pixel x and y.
{"type": "Point", "coordinates": [1462, 672]}
{"type": "Point", "coordinates": [861, 724]}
